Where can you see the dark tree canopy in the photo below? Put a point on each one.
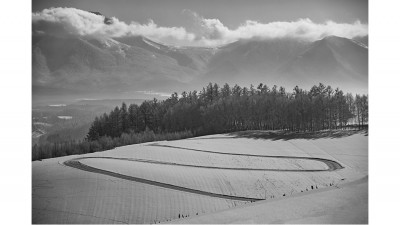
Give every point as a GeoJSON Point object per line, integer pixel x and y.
{"type": "Point", "coordinates": [224, 109]}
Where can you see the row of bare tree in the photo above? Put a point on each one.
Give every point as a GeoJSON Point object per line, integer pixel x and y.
{"type": "Point", "coordinates": [225, 109]}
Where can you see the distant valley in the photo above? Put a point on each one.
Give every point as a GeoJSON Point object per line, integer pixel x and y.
{"type": "Point", "coordinates": [69, 122]}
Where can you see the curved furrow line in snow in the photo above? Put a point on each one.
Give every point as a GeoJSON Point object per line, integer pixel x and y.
{"type": "Point", "coordinates": [74, 163]}
{"type": "Point", "coordinates": [332, 165]}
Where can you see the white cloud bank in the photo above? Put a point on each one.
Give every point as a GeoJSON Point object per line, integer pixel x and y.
{"type": "Point", "coordinates": [206, 32]}
{"type": "Point", "coordinates": [79, 22]}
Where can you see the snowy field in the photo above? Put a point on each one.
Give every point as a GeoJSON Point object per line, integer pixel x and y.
{"type": "Point", "coordinates": [208, 179]}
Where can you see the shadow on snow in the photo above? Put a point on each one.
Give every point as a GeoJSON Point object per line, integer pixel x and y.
{"type": "Point", "coordinates": [287, 135]}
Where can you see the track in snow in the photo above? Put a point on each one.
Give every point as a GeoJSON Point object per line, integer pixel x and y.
{"type": "Point", "coordinates": [78, 165]}
{"type": "Point", "coordinates": [75, 163]}
{"type": "Point", "coordinates": [332, 165]}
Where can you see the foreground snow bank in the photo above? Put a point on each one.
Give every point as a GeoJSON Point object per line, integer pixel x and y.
{"type": "Point", "coordinates": [62, 194]}
{"type": "Point", "coordinates": [345, 204]}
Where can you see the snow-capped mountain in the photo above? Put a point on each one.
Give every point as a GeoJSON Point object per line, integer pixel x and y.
{"type": "Point", "coordinates": [111, 66]}
{"type": "Point", "coordinates": [337, 61]}
{"type": "Point", "coordinates": [63, 65]}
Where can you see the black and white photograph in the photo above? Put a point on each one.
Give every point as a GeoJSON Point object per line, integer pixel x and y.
{"type": "Point", "coordinates": [210, 112]}
{"type": "Point", "coordinates": [197, 112]}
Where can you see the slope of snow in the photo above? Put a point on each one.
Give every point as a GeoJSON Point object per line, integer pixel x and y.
{"type": "Point", "coordinates": [359, 43]}
{"type": "Point", "coordinates": [61, 194]}
{"type": "Point", "coordinates": [346, 204]}
{"type": "Point", "coordinates": [151, 44]}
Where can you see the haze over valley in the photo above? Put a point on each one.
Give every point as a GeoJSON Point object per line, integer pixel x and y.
{"type": "Point", "coordinates": [68, 66]}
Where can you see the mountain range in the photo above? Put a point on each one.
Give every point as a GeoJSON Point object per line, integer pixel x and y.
{"type": "Point", "coordinates": [76, 67]}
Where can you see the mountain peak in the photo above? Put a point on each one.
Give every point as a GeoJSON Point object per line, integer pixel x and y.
{"type": "Point", "coordinates": [107, 20]}
{"type": "Point", "coordinates": [137, 62]}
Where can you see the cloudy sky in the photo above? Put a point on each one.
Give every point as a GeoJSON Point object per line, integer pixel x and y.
{"type": "Point", "coordinates": [203, 22]}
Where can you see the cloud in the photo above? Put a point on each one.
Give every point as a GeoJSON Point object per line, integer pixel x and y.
{"type": "Point", "coordinates": [71, 21]}
{"type": "Point", "coordinates": [214, 32]}
{"type": "Point", "coordinates": [205, 32]}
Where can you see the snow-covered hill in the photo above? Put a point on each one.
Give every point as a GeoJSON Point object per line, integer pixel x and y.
{"type": "Point", "coordinates": [171, 180]}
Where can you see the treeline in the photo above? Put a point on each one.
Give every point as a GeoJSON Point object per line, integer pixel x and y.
{"type": "Point", "coordinates": [51, 150]}
{"type": "Point", "coordinates": [218, 109]}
